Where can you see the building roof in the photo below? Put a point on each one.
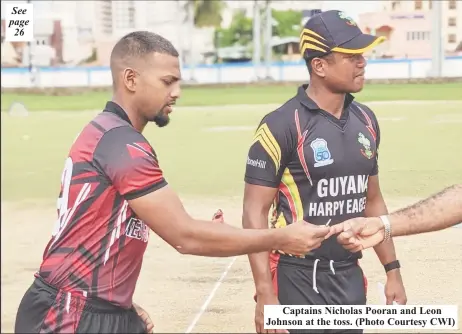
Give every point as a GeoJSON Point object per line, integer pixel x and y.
{"type": "Point", "coordinates": [276, 40]}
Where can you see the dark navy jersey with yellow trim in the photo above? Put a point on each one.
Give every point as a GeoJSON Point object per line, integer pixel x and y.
{"type": "Point", "coordinates": [319, 163]}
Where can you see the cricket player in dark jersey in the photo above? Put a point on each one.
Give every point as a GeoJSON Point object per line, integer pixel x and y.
{"type": "Point", "coordinates": [315, 158]}
{"type": "Point", "coordinates": [113, 193]}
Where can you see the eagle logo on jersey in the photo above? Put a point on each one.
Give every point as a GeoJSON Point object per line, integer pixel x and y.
{"type": "Point", "coordinates": [322, 156]}
{"type": "Point", "coordinates": [366, 150]}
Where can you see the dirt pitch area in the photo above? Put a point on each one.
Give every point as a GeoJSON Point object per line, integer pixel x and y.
{"type": "Point", "coordinates": [173, 288]}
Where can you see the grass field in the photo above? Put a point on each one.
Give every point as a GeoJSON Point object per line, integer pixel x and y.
{"type": "Point", "coordinates": [203, 155]}
{"type": "Point", "coordinates": [200, 96]}
{"type": "Point", "coordinates": [419, 153]}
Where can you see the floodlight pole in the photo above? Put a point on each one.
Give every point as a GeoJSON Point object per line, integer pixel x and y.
{"type": "Point", "coordinates": [192, 59]}
{"type": "Point", "coordinates": [29, 55]}
{"type": "Point", "coordinates": [437, 40]}
{"type": "Point", "coordinates": [180, 22]}
{"type": "Point", "coordinates": [268, 37]}
{"type": "Point", "coordinates": [256, 40]}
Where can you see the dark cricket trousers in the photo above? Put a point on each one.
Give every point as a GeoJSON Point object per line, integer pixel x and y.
{"type": "Point", "coordinates": [318, 282]}
{"type": "Point", "coordinates": [45, 309]}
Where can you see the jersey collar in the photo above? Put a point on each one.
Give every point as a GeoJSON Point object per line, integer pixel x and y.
{"type": "Point", "coordinates": [312, 106]}
{"type": "Point", "coordinates": [116, 109]}
{"type": "Point", "coordinates": [303, 98]}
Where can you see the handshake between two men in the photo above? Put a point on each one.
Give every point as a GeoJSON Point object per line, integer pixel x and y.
{"type": "Point", "coordinates": [354, 234]}
{"type": "Point", "coordinates": [302, 237]}
{"type": "Point", "coordinates": [437, 212]}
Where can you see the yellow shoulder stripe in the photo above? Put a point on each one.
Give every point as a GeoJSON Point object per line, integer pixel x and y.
{"type": "Point", "coordinates": [266, 139]}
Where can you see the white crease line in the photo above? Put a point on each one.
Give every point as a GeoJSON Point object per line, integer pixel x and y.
{"type": "Point", "coordinates": [210, 297]}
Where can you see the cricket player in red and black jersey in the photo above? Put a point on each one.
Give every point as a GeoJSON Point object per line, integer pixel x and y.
{"type": "Point", "coordinates": [113, 193]}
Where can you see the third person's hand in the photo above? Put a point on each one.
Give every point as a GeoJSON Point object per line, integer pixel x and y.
{"type": "Point", "coordinates": [361, 233]}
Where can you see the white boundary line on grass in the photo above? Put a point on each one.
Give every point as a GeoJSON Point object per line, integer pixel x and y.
{"type": "Point", "coordinates": [210, 296]}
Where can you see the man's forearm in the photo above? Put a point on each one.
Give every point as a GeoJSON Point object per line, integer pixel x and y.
{"type": "Point", "coordinates": [222, 240]}
{"type": "Point", "coordinates": [386, 250]}
{"type": "Point", "coordinates": [259, 262]}
{"type": "Point", "coordinates": [438, 212]}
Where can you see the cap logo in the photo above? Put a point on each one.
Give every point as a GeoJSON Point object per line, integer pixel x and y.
{"type": "Point", "coordinates": [347, 19]}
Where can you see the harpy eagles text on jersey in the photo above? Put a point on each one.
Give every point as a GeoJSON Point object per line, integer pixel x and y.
{"type": "Point", "coordinates": [340, 187]}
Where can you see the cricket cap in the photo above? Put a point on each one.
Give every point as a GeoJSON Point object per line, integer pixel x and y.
{"type": "Point", "coordinates": [334, 31]}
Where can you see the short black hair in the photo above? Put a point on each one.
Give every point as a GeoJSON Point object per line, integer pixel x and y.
{"type": "Point", "coordinates": [139, 44]}
{"type": "Point", "coordinates": [308, 64]}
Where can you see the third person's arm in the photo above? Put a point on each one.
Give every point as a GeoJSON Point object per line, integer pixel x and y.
{"type": "Point", "coordinates": [375, 206]}
{"type": "Point", "coordinates": [437, 212]}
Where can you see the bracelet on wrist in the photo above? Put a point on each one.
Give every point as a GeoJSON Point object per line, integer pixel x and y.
{"type": "Point", "coordinates": [387, 228]}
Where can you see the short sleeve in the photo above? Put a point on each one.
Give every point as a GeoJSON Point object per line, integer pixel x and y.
{"type": "Point", "coordinates": [269, 152]}
{"type": "Point", "coordinates": [129, 162]}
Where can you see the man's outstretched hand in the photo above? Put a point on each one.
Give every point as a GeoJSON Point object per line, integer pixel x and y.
{"type": "Point", "coordinates": [359, 233]}
{"type": "Point", "coordinates": [354, 235]}
{"type": "Point", "coordinates": [302, 237]}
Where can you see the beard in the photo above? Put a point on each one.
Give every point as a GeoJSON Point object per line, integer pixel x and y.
{"type": "Point", "coordinates": [161, 120]}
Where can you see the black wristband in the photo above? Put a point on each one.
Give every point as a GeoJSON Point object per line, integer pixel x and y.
{"type": "Point", "coordinates": [392, 265]}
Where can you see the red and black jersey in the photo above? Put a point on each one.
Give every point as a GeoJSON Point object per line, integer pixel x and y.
{"type": "Point", "coordinates": [98, 242]}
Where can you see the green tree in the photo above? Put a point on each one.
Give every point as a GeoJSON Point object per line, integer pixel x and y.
{"type": "Point", "coordinates": [239, 32]}
{"type": "Point", "coordinates": [207, 13]}
{"type": "Point", "coordinates": [289, 23]}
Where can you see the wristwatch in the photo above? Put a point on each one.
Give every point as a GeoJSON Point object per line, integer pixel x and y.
{"type": "Point", "coordinates": [392, 265]}
{"type": "Point", "coordinates": [386, 227]}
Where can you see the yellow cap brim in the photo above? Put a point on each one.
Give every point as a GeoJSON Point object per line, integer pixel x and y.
{"type": "Point", "coordinates": [360, 48]}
